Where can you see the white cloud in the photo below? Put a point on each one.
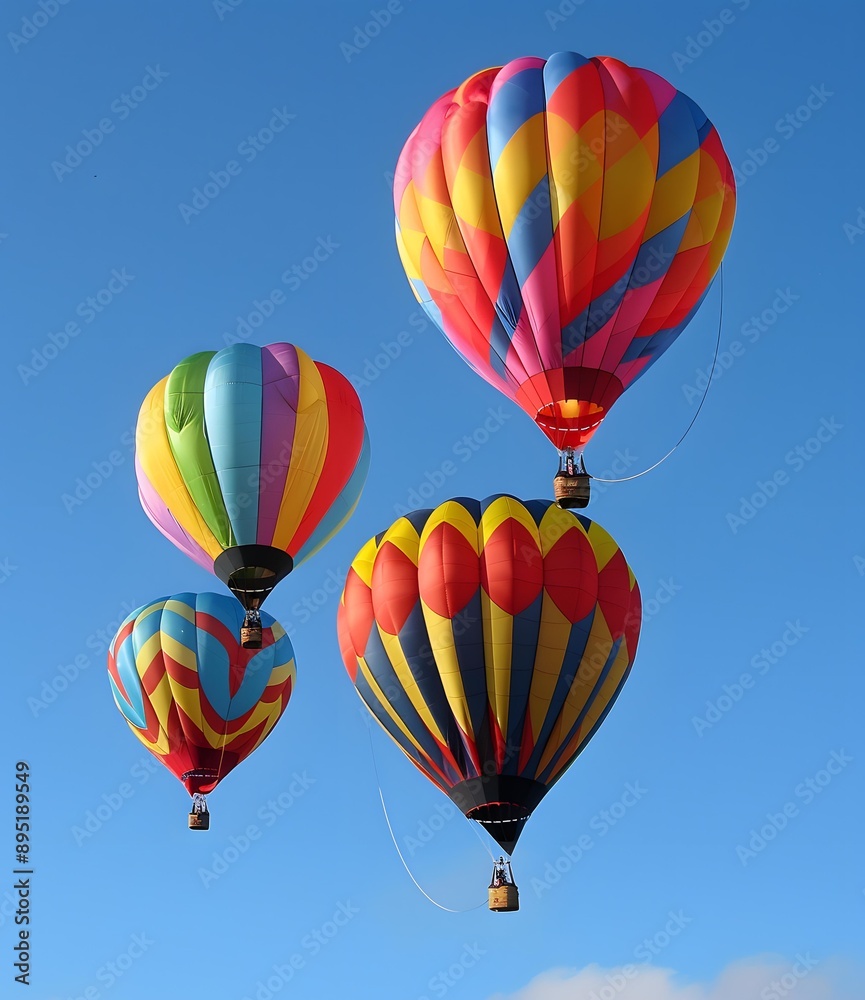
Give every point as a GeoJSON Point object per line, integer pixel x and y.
{"type": "Point", "coordinates": [763, 978]}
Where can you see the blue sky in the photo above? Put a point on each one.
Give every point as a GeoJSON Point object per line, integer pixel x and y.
{"type": "Point", "coordinates": [748, 542]}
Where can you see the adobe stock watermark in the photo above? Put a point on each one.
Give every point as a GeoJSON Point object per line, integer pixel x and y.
{"type": "Point", "coordinates": [665, 592]}
{"type": "Point", "coordinates": [427, 828]}
{"type": "Point", "coordinates": [853, 230]}
{"type": "Point", "coordinates": [623, 462]}
{"type": "Point", "coordinates": [101, 470]}
{"type": "Point", "coordinates": [249, 150]}
{"type": "Point", "coordinates": [601, 824]}
{"type": "Point", "coordinates": [375, 365]}
{"type": "Point", "coordinates": [364, 34]}
{"type": "Point", "coordinates": [751, 331]}
{"type": "Point", "coordinates": [87, 310]}
{"type": "Point", "coordinates": [796, 460]}
{"type": "Point", "coordinates": [293, 278]}
{"type": "Point", "coordinates": [310, 945]}
{"type": "Point", "coordinates": [645, 952]}
{"type": "Point", "coordinates": [268, 815]}
{"type": "Point", "coordinates": [112, 802]}
{"type": "Point", "coordinates": [121, 107]}
{"type": "Point", "coordinates": [779, 988]}
{"type": "Point", "coordinates": [109, 974]}
{"type": "Point", "coordinates": [787, 126]}
{"type": "Point", "coordinates": [566, 9]}
{"type": "Point", "coordinates": [465, 448]}
{"type": "Point", "coordinates": [331, 585]}
{"type": "Point", "coordinates": [42, 16]}
{"type": "Point", "coordinates": [444, 980]}
{"type": "Point", "coordinates": [761, 663]}
{"type": "Point", "coordinates": [67, 673]}
{"type": "Point", "coordinates": [712, 29]}
{"type": "Point", "coordinates": [7, 568]}
{"type": "Point", "coordinates": [803, 795]}
{"type": "Point", "coordinates": [223, 7]}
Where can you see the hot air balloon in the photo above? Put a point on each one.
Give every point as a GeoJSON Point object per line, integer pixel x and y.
{"type": "Point", "coordinates": [197, 699]}
{"type": "Point", "coordinates": [250, 459]}
{"type": "Point", "coordinates": [561, 221]}
{"type": "Point", "coordinates": [490, 639]}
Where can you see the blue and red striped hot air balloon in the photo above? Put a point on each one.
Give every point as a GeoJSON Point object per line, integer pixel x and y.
{"type": "Point", "coordinates": [196, 699]}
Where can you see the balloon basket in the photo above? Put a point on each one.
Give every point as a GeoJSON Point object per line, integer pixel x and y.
{"type": "Point", "coordinates": [250, 631]}
{"type": "Point", "coordinates": [504, 898]}
{"type": "Point", "coordinates": [199, 820]}
{"type": "Point", "coordinates": [250, 637]}
{"type": "Point", "coordinates": [504, 894]}
{"type": "Point", "coordinates": [572, 491]}
{"type": "Point", "coordinates": [199, 817]}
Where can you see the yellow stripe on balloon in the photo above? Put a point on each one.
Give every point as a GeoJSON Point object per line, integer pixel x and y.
{"type": "Point", "coordinates": [308, 453]}
{"type": "Point", "coordinates": [674, 195]}
{"type": "Point", "coordinates": [519, 170]}
{"type": "Point", "coordinates": [157, 462]}
{"type": "Point", "coordinates": [454, 514]}
{"type": "Point", "coordinates": [386, 705]}
{"type": "Point", "coordinates": [440, 632]}
{"type": "Point", "coordinates": [553, 636]}
{"type": "Point", "coordinates": [603, 544]}
{"type": "Point", "coordinates": [161, 700]}
{"type": "Point", "coordinates": [440, 226]}
{"type": "Point", "coordinates": [629, 184]}
{"type": "Point", "coordinates": [724, 231]}
{"type": "Point", "coordinates": [178, 651]}
{"type": "Point", "coordinates": [365, 560]}
{"type": "Point", "coordinates": [473, 199]}
{"type": "Point", "coordinates": [402, 534]}
{"type": "Point", "coordinates": [498, 635]}
{"type": "Point", "coordinates": [180, 608]}
{"type": "Point", "coordinates": [598, 707]}
{"type": "Point", "coordinates": [160, 747]}
{"type": "Point", "coordinates": [411, 265]}
{"type": "Point", "coordinates": [400, 666]}
{"type": "Point", "coordinates": [503, 509]}
{"type": "Point", "coordinates": [703, 222]}
{"type": "Point", "coordinates": [147, 652]}
{"type": "Point", "coordinates": [554, 525]}
{"type": "Point", "coordinates": [593, 661]}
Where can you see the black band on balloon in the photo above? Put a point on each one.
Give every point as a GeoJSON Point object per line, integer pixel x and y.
{"type": "Point", "coordinates": [252, 571]}
{"type": "Point", "coordinates": [501, 803]}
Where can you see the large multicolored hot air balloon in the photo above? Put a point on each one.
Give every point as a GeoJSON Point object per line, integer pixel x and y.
{"type": "Point", "coordinates": [490, 639]}
{"type": "Point", "coordinates": [249, 459]}
{"type": "Point", "coordinates": [561, 221]}
{"type": "Point", "coordinates": [195, 698]}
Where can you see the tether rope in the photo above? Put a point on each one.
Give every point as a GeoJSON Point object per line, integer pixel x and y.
{"type": "Point", "coordinates": [448, 909]}
{"type": "Point", "coordinates": [627, 479]}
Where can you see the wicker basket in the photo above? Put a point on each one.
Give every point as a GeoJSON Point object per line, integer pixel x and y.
{"type": "Point", "coordinates": [504, 898]}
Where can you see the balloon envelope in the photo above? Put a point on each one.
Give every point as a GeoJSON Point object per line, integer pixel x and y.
{"type": "Point", "coordinates": [561, 221]}
{"type": "Point", "coordinates": [250, 459]}
{"type": "Point", "coordinates": [490, 639]}
{"type": "Point", "coordinates": [197, 699]}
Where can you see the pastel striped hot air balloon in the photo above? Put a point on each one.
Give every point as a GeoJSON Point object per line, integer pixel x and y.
{"type": "Point", "coordinates": [197, 699]}
{"type": "Point", "coordinates": [561, 222]}
{"type": "Point", "coordinates": [250, 459]}
{"type": "Point", "coordinates": [490, 639]}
